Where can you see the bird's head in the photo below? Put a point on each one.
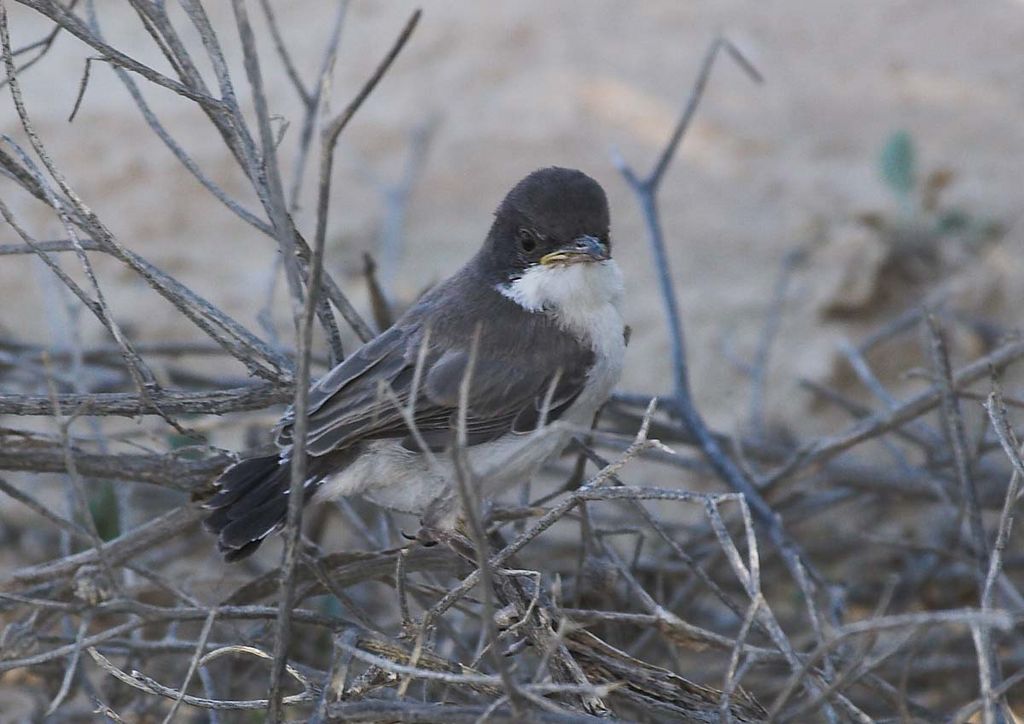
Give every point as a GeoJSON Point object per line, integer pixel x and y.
{"type": "Point", "coordinates": [549, 250]}
{"type": "Point", "coordinates": [553, 217]}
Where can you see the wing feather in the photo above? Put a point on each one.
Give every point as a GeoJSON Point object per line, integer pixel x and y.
{"type": "Point", "coordinates": [512, 380]}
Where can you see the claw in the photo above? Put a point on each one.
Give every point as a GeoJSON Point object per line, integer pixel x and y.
{"type": "Point", "coordinates": [427, 537]}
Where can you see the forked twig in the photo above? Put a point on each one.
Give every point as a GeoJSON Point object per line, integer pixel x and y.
{"type": "Point", "coordinates": [646, 190]}
{"type": "Point", "coordinates": [300, 422]}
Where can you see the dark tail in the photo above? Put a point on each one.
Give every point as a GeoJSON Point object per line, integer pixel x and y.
{"type": "Point", "coordinates": [251, 504]}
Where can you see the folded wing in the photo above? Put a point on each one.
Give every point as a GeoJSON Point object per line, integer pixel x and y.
{"type": "Point", "coordinates": [511, 387]}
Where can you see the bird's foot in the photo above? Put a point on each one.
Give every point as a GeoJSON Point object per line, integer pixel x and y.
{"type": "Point", "coordinates": [425, 536]}
{"type": "Point", "coordinates": [428, 536]}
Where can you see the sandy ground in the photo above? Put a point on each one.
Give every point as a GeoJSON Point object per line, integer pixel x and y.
{"type": "Point", "coordinates": [515, 86]}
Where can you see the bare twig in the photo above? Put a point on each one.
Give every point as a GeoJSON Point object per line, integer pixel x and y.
{"type": "Point", "coordinates": [826, 448]}
{"type": "Point", "coordinates": [770, 330]}
{"type": "Point", "coordinates": [955, 436]}
{"type": "Point", "coordinates": [605, 596]}
{"type": "Point", "coordinates": [646, 190]}
{"type": "Point", "coordinates": [299, 425]}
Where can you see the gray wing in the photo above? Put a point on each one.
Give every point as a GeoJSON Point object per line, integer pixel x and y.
{"type": "Point", "coordinates": [350, 400]}
{"type": "Point", "coordinates": [356, 401]}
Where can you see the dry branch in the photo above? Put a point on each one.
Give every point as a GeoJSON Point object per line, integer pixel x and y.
{"type": "Point", "coordinates": [613, 598]}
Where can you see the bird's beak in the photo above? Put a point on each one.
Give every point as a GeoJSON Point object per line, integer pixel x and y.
{"type": "Point", "coordinates": [580, 249]}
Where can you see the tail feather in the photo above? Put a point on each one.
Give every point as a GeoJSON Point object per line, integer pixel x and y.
{"type": "Point", "coordinates": [272, 486]}
{"type": "Point", "coordinates": [238, 480]}
{"type": "Point", "coordinates": [252, 499]}
{"type": "Point", "coordinates": [251, 504]}
{"type": "Point", "coordinates": [254, 525]}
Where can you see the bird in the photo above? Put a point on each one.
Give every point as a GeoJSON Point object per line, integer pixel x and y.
{"type": "Point", "coordinates": [528, 336]}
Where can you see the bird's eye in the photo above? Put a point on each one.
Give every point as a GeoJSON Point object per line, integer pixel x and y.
{"type": "Point", "coordinates": [527, 240]}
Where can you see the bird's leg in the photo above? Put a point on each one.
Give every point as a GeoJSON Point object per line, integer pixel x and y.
{"type": "Point", "coordinates": [427, 536]}
{"type": "Point", "coordinates": [438, 520]}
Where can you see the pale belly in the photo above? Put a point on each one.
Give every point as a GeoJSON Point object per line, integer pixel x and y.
{"type": "Point", "coordinates": [410, 482]}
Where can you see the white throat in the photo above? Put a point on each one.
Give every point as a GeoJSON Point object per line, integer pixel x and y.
{"type": "Point", "coordinates": [583, 298]}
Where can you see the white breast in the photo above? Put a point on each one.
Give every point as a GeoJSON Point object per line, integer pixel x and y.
{"type": "Point", "coordinates": [585, 300]}
{"type": "Point", "coordinates": [577, 295]}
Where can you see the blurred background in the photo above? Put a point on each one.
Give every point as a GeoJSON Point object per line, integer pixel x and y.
{"type": "Point", "coordinates": [486, 93]}
{"type": "Point", "coordinates": [877, 167]}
